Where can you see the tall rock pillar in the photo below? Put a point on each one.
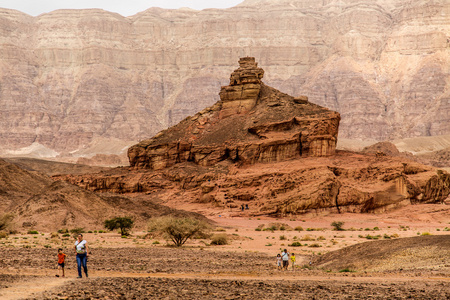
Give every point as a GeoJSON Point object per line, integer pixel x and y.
{"type": "Point", "coordinates": [242, 94]}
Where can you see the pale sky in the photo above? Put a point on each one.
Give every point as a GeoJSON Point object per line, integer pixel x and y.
{"type": "Point", "coordinates": [123, 7]}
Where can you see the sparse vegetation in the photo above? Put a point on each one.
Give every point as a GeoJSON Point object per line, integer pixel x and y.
{"type": "Point", "coordinates": [337, 225]}
{"type": "Point", "coordinates": [346, 270]}
{"type": "Point", "coordinates": [372, 237]}
{"type": "Point", "coordinates": [307, 238]}
{"type": "Point", "coordinates": [219, 239]}
{"type": "Point", "coordinates": [282, 237]}
{"type": "Point", "coordinates": [299, 228]}
{"type": "Point", "coordinates": [315, 229]}
{"type": "Point", "coordinates": [122, 223]}
{"type": "Point", "coordinates": [76, 231]}
{"type": "Point", "coordinates": [178, 230]}
{"type": "Point", "coordinates": [32, 232]}
{"type": "Point", "coordinates": [295, 244]}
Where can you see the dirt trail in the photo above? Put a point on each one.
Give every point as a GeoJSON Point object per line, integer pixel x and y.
{"type": "Point", "coordinates": [25, 289]}
{"type": "Point", "coordinates": [32, 286]}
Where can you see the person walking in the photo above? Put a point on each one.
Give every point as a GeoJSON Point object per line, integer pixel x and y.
{"type": "Point", "coordinates": [293, 261]}
{"type": "Point", "coordinates": [279, 261]}
{"type": "Point", "coordinates": [82, 251]}
{"type": "Point", "coordinates": [285, 258]}
{"type": "Point", "coordinates": [61, 261]}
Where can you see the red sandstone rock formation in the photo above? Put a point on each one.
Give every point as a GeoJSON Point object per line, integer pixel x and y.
{"type": "Point", "coordinates": [251, 123]}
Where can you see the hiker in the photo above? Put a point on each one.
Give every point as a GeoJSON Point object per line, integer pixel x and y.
{"type": "Point", "coordinates": [242, 207]}
{"type": "Point", "coordinates": [82, 254]}
{"type": "Point", "coordinates": [246, 206]}
{"type": "Point", "coordinates": [285, 258]}
{"type": "Point", "coordinates": [61, 262]}
{"type": "Point", "coordinates": [293, 261]}
{"type": "Point", "coordinates": [279, 261]}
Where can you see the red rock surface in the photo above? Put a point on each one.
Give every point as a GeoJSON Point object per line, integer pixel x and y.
{"type": "Point", "coordinates": [251, 123]}
{"type": "Point", "coordinates": [344, 182]}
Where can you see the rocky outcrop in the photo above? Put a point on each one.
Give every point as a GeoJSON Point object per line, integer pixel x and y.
{"type": "Point", "coordinates": [344, 182]}
{"type": "Point", "coordinates": [71, 77]}
{"type": "Point", "coordinates": [251, 123]}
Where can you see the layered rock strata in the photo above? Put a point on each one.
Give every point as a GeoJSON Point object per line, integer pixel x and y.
{"type": "Point", "coordinates": [344, 182]}
{"type": "Point", "coordinates": [71, 77]}
{"type": "Point", "coordinates": [251, 123]}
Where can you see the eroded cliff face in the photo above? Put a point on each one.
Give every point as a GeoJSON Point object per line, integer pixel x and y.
{"type": "Point", "coordinates": [251, 123]}
{"type": "Point", "coordinates": [71, 77]}
{"type": "Point", "coordinates": [344, 182]}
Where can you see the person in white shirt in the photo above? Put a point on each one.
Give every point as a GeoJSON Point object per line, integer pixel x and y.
{"type": "Point", "coordinates": [82, 254]}
{"type": "Point", "coordinates": [285, 258]}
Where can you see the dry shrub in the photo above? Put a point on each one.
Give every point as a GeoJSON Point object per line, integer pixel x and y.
{"type": "Point", "coordinates": [3, 235]}
{"type": "Point", "coordinates": [219, 239]}
{"type": "Point", "coordinates": [280, 226]}
{"type": "Point", "coordinates": [307, 238]}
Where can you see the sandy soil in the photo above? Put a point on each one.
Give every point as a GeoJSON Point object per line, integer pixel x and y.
{"type": "Point", "coordinates": [143, 267]}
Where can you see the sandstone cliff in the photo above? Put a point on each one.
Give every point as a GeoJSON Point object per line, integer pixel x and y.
{"type": "Point", "coordinates": [251, 123]}
{"type": "Point", "coordinates": [71, 77]}
{"type": "Point", "coordinates": [344, 182]}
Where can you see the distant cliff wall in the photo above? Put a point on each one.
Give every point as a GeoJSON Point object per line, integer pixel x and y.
{"type": "Point", "coordinates": [70, 78]}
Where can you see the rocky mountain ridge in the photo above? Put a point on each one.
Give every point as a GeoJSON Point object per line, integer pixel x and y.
{"type": "Point", "coordinates": [70, 78]}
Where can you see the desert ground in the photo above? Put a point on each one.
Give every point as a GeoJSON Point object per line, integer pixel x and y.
{"type": "Point", "coordinates": [401, 254]}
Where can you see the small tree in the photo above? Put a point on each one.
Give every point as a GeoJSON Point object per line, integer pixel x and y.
{"type": "Point", "coordinates": [122, 223]}
{"type": "Point", "coordinates": [179, 230]}
{"type": "Point", "coordinates": [338, 225]}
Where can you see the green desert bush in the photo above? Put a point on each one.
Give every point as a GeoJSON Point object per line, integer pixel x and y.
{"type": "Point", "coordinates": [178, 230]}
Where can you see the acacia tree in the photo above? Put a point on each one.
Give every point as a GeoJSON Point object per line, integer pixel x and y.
{"type": "Point", "coordinates": [122, 223]}
{"type": "Point", "coordinates": [337, 225]}
{"type": "Point", "coordinates": [178, 230]}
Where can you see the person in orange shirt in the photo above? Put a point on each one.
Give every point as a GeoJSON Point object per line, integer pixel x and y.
{"type": "Point", "coordinates": [61, 260]}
